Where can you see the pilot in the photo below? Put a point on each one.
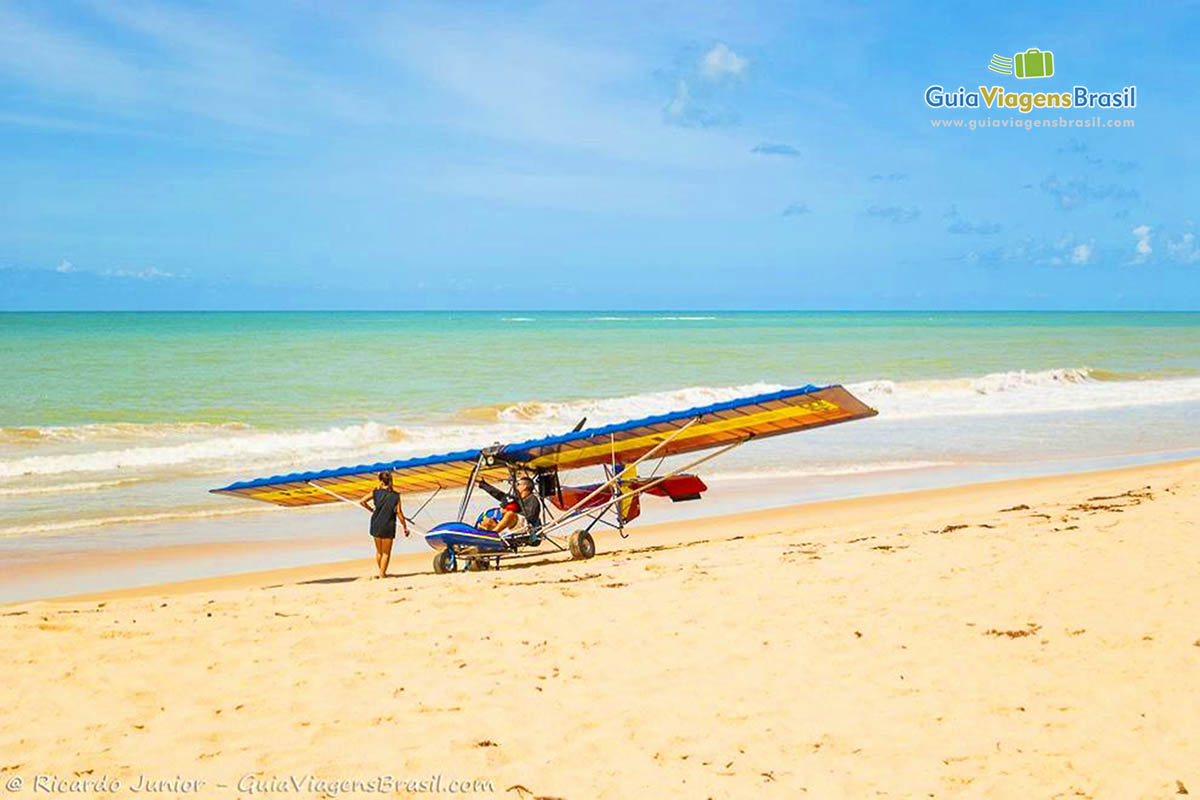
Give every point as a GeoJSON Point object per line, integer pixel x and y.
{"type": "Point", "coordinates": [531, 509]}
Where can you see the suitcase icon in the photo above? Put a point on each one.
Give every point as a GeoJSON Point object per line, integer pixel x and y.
{"type": "Point", "coordinates": [1034, 63]}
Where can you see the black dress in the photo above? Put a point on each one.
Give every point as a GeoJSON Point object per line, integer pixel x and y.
{"type": "Point", "coordinates": [383, 518]}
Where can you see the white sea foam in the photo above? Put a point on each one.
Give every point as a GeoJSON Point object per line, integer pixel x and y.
{"type": "Point", "coordinates": [1015, 393]}
{"type": "Point", "coordinates": [80, 523]}
{"type": "Point", "coordinates": [63, 488]}
{"type": "Point", "coordinates": [115, 431]}
{"type": "Point", "coordinates": [280, 446]}
{"type": "Point", "coordinates": [1020, 392]}
{"type": "Point", "coordinates": [250, 451]}
{"type": "Point", "coordinates": [604, 411]}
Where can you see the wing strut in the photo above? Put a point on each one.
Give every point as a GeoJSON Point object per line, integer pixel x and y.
{"type": "Point", "coordinates": [332, 493]}
{"type": "Point", "coordinates": [618, 475]}
{"type": "Point", "coordinates": [558, 523]}
{"type": "Point", "coordinates": [462, 508]}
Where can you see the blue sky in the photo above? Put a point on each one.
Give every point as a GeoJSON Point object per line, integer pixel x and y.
{"type": "Point", "coordinates": [547, 155]}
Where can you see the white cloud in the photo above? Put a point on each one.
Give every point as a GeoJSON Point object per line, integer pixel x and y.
{"type": "Point", "coordinates": [147, 274]}
{"type": "Point", "coordinates": [1143, 248]}
{"type": "Point", "coordinates": [721, 61]}
{"type": "Point", "coordinates": [679, 103]}
{"type": "Point", "coordinates": [171, 63]}
{"type": "Point", "coordinates": [1083, 253]}
{"type": "Point", "coordinates": [507, 85]}
{"type": "Point", "coordinates": [1184, 250]}
{"type": "Point", "coordinates": [898, 215]}
{"type": "Point", "coordinates": [65, 266]}
{"type": "Point", "coordinates": [1068, 250]}
{"type": "Point", "coordinates": [60, 61]}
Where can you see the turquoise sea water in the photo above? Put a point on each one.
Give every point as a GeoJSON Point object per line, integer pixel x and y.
{"type": "Point", "coordinates": [111, 422]}
{"type": "Point", "coordinates": [279, 370]}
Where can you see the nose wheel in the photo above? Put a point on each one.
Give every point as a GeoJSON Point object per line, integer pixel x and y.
{"type": "Point", "coordinates": [444, 561]}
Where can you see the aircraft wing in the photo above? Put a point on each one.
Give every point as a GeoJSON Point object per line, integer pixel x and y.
{"type": "Point", "coordinates": [756, 417]}
{"type": "Point", "coordinates": [408, 476]}
{"type": "Point", "coordinates": [704, 427]}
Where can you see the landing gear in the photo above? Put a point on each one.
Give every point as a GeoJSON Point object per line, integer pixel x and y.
{"type": "Point", "coordinates": [444, 561]}
{"type": "Point", "coordinates": [477, 565]}
{"type": "Point", "coordinates": [583, 546]}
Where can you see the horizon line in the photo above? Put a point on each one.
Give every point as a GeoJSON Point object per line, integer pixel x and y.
{"type": "Point", "coordinates": [600, 311]}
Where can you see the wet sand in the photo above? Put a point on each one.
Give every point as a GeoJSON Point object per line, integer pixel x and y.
{"type": "Point", "coordinates": [1027, 638]}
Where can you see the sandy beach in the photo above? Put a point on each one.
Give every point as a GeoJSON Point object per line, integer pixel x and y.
{"type": "Point", "coordinates": [1033, 638]}
{"type": "Point", "coordinates": [864, 339]}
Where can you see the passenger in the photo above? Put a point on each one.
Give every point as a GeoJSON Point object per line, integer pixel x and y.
{"type": "Point", "coordinates": [528, 506]}
{"type": "Point", "coordinates": [499, 518]}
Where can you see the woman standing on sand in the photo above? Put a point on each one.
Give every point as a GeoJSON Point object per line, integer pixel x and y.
{"type": "Point", "coordinates": [383, 520]}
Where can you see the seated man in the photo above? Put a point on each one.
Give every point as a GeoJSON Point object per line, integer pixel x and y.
{"type": "Point", "coordinates": [526, 502]}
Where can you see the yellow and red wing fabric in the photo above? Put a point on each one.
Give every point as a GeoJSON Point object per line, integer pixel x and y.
{"type": "Point", "coordinates": [705, 427]}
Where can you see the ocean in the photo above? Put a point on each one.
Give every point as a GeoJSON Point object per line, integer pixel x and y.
{"type": "Point", "coordinates": [113, 426]}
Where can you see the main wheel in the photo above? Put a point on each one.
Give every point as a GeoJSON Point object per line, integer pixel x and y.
{"type": "Point", "coordinates": [583, 546]}
{"type": "Point", "coordinates": [477, 565]}
{"type": "Point", "coordinates": [444, 561]}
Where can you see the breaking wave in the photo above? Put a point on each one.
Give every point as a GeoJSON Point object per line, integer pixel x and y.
{"type": "Point", "coordinates": [608, 410]}
{"type": "Point", "coordinates": [65, 488]}
{"type": "Point", "coordinates": [80, 523]}
{"type": "Point", "coordinates": [1022, 392]}
{"type": "Point", "coordinates": [115, 431]}
{"type": "Point", "coordinates": [229, 450]}
{"type": "Point", "coordinates": [142, 451]}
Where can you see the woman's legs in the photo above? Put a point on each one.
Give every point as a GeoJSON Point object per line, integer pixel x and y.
{"type": "Point", "coordinates": [385, 555]}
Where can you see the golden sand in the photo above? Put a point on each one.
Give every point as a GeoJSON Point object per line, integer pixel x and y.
{"type": "Point", "coordinates": [1034, 638]}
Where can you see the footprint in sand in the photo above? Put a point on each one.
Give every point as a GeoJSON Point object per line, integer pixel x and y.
{"type": "Point", "coordinates": [1029, 630]}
